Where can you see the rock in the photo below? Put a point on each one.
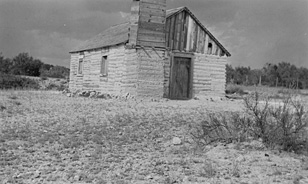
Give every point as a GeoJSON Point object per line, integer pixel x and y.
{"type": "Point", "coordinates": [76, 178]}
{"type": "Point", "coordinates": [68, 94]}
{"type": "Point", "coordinates": [266, 155]}
{"type": "Point", "coordinates": [92, 94]}
{"type": "Point", "coordinates": [176, 141]}
{"type": "Point", "coordinates": [37, 174]}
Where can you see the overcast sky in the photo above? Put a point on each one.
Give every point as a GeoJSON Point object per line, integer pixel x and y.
{"type": "Point", "coordinates": [254, 31]}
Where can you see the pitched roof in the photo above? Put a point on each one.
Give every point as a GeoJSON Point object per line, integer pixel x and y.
{"type": "Point", "coordinates": [175, 11]}
{"type": "Point", "coordinates": [114, 35]}
{"type": "Point", "coordinates": [120, 34]}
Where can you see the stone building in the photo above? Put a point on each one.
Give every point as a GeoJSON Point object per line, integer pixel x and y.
{"type": "Point", "coordinates": [158, 53]}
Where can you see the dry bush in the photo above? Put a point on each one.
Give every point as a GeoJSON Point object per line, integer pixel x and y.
{"type": "Point", "coordinates": [223, 127]}
{"type": "Point", "coordinates": [283, 126]}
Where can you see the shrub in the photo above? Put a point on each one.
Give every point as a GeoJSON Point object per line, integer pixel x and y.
{"type": "Point", "coordinates": [53, 86]}
{"type": "Point", "coordinates": [284, 125]}
{"type": "Point", "coordinates": [16, 82]}
{"type": "Point", "coordinates": [232, 89]}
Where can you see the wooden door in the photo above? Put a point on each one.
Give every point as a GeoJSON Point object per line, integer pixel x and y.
{"type": "Point", "coordinates": [180, 78]}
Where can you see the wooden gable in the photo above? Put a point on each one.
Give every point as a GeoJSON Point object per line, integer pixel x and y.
{"type": "Point", "coordinates": [184, 32]}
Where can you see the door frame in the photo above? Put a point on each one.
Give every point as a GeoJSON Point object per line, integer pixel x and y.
{"type": "Point", "coordinates": [191, 74]}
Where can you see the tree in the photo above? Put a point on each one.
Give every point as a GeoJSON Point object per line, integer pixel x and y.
{"type": "Point", "coordinates": [5, 64]}
{"type": "Point", "coordinates": [23, 64]}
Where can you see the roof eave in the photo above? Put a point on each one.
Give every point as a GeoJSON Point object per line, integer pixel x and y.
{"type": "Point", "coordinates": [95, 48]}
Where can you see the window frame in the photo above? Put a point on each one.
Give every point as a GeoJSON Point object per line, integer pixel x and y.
{"type": "Point", "coordinates": [80, 66]}
{"type": "Point", "coordinates": [104, 70]}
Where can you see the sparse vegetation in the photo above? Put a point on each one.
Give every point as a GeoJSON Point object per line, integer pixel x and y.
{"type": "Point", "coordinates": [16, 82]}
{"type": "Point", "coordinates": [48, 137]}
{"type": "Point", "coordinates": [281, 125]}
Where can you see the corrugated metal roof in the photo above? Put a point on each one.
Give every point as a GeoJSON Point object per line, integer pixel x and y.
{"type": "Point", "coordinates": [114, 35]}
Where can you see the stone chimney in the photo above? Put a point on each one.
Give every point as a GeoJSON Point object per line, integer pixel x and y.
{"type": "Point", "coordinates": [147, 23]}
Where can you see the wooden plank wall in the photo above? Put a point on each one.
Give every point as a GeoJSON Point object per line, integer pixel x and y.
{"type": "Point", "coordinates": [209, 75]}
{"type": "Point", "coordinates": [152, 19]}
{"type": "Point", "coordinates": [184, 34]}
{"type": "Point", "coordinates": [150, 72]}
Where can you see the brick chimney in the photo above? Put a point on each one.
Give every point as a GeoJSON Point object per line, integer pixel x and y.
{"type": "Point", "coordinates": [147, 23]}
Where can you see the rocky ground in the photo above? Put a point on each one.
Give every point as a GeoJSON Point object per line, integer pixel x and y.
{"type": "Point", "coordinates": [47, 137]}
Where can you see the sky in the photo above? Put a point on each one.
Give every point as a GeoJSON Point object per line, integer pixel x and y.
{"type": "Point", "coordinates": [255, 32]}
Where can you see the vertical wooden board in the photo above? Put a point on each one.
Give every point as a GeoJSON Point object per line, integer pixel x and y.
{"type": "Point", "coordinates": [189, 32]}
{"type": "Point", "coordinates": [178, 36]}
{"type": "Point", "coordinates": [195, 37]}
{"type": "Point", "coordinates": [185, 31]}
{"type": "Point", "coordinates": [175, 33]}
{"type": "Point", "coordinates": [171, 35]}
{"type": "Point", "coordinates": [192, 36]}
{"type": "Point", "coordinates": [181, 42]}
{"type": "Point", "coordinates": [198, 39]}
{"type": "Point", "coordinates": [167, 32]}
{"type": "Point", "coordinates": [214, 48]}
{"type": "Point", "coordinates": [206, 43]}
{"type": "Point", "coordinates": [202, 41]}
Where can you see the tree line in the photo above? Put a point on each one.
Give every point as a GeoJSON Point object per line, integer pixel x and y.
{"type": "Point", "coordinates": [24, 64]}
{"type": "Point", "coordinates": [282, 74]}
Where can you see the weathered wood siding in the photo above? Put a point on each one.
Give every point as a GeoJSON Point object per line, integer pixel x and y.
{"type": "Point", "coordinates": [184, 33]}
{"type": "Point", "coordinates": [209, 77]}
{"type": "Point", "coordinates": [151, 72]}
{"type": "Point", "coordinates": [147, 21]}
{"type": "Point", "coordinates": [91, 78]}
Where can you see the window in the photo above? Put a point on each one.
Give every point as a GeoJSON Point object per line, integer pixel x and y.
{"type": "Point", "coordinates": [104, 66]}
{"type": "Point", "coordinates": [209, 49]}
{"type": "Point", "coordinates": [80, 66]}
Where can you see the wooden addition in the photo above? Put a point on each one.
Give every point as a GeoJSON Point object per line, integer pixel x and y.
{"type": "Point", "coordinates": [158, 53]}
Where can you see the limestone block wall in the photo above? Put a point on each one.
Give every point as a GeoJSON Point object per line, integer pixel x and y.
{"type": "Point", "coordinates": [91, 78]}
{"type": "Point", "coordinates": [112, 83]}
{"type": "Point", "coordinates": [150, 72]}
{"type": "Point", "coordinates": [209, 78]}
{"type": "Point", "coordinates": [73, 71]}
{"type": "Point", "coordinates": [130, 74]}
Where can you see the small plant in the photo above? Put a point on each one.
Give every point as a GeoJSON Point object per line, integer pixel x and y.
{"type": "Point", "coordinates": [208, 170]}
{"type": "Point", "coordinates": [235, 171]}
